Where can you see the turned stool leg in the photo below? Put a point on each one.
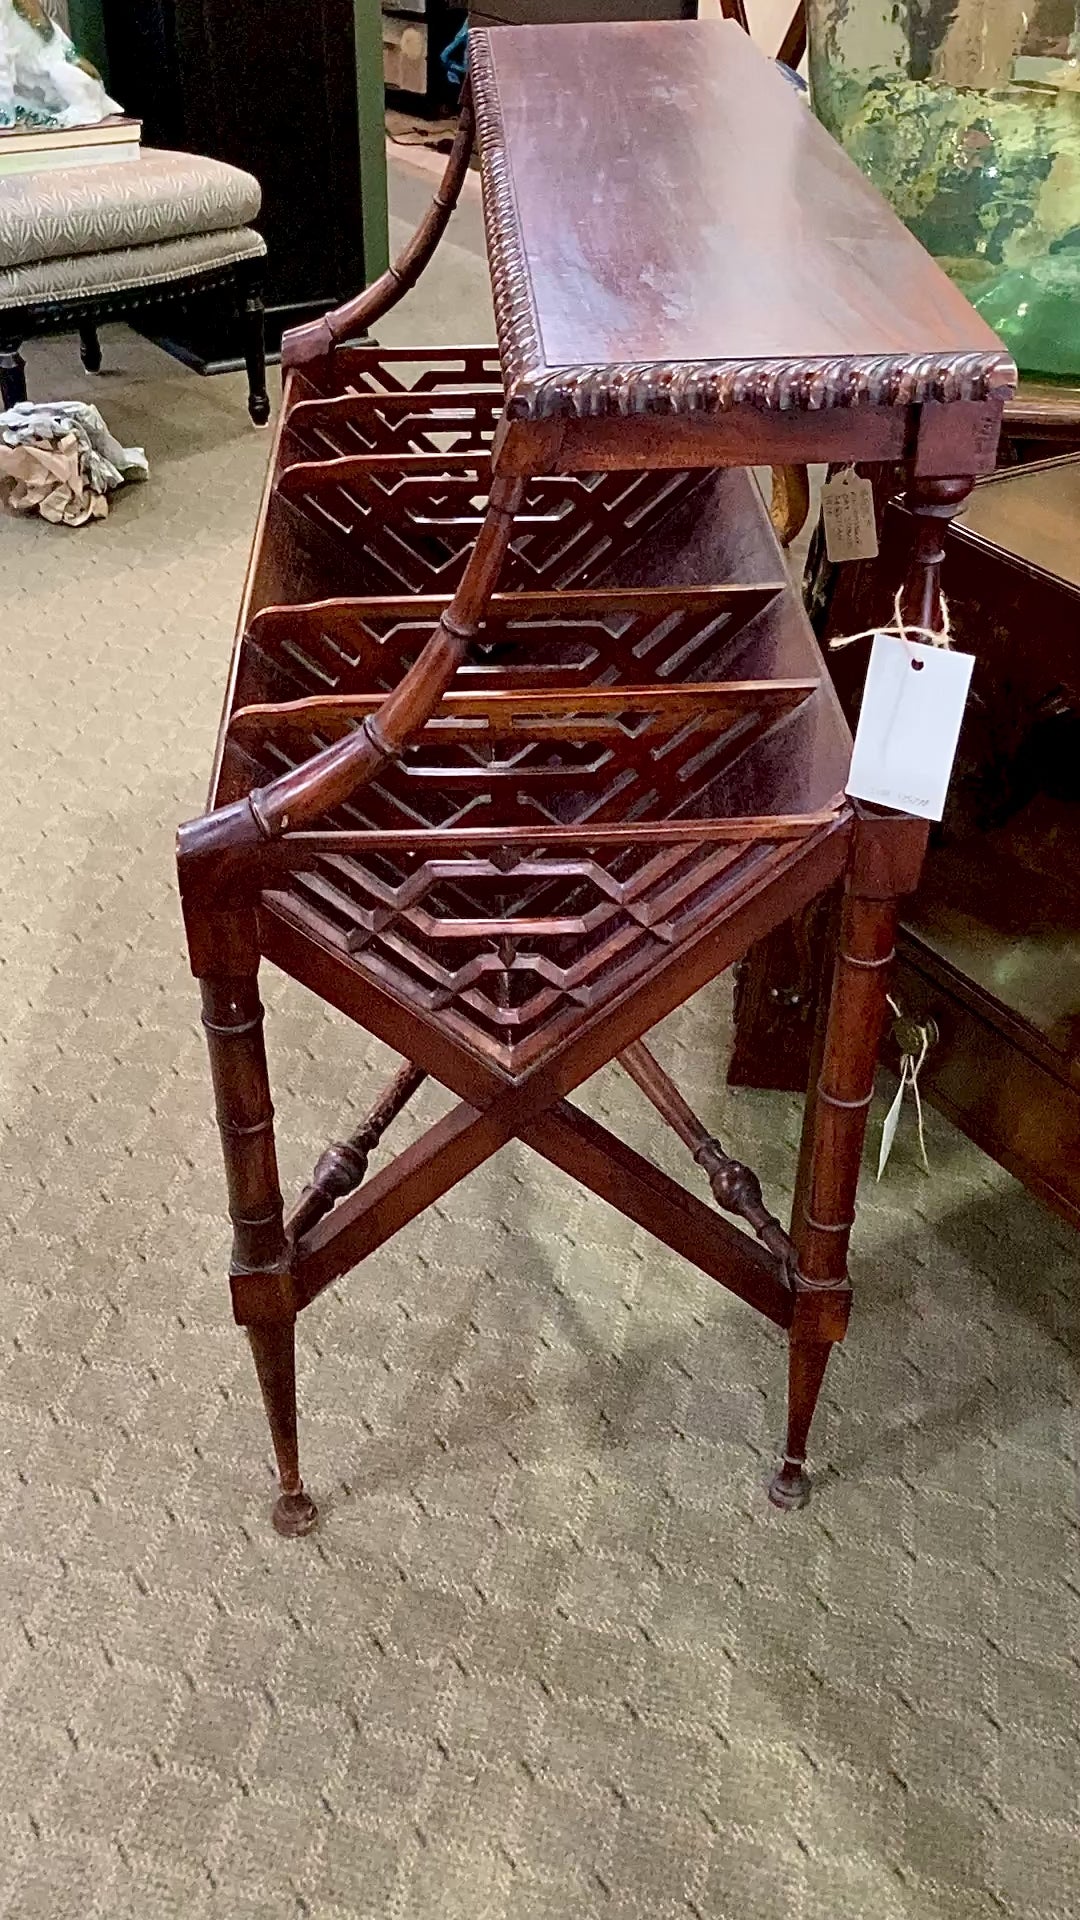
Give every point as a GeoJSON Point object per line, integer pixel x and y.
{"type": "Point", "coordinates": [254, 325]}
{"type": "Point", "coordinates": [90, 347]}
{"type": "Point", "coordinates": [259, 1270]}
{"type": "Point", "coordinates": [884, 863]}
{"type": "Point", "coordinates": [12, 371]}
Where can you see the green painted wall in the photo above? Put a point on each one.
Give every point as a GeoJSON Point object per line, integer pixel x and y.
{"type": "Point", "coordinates": [371, 98]}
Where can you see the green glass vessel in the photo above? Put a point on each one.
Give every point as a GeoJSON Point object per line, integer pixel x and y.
{"type": "Point", "coordinates": [966, 115]}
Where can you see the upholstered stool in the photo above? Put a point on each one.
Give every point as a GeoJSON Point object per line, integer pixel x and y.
{"type": "Point", "coordinates": [84, 244]}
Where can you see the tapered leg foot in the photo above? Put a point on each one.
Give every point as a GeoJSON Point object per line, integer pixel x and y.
{"type": "Point", "coordinates": [789, 1487]}
{"type": "Point", "coordinates": [295, 1514]}
{"type": "Point", "coordinates": [12, 374]}
{"type": "Point", "coordinates": [273, 1346]}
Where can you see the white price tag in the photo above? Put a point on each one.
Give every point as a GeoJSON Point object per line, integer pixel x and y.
{"type": "Point", "coordinates": [847, 502]}
{"type": "Point", "coordinates": [909, 725]}
{"type": "Point", "coordinates": [891, 1122]}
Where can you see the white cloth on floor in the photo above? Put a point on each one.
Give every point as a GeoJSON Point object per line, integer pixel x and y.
{"type": "Point", "coordinates": [63, 461]}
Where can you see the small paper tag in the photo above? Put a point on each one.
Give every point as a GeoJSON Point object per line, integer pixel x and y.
{"type": "Point", "coordinates": [892, 1121]}
{"type": "Point", "coordinates": [847, 502]}
{"type": "Point", "coordinates": [909, 725]}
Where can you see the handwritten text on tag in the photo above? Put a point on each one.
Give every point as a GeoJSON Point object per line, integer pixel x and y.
{"type": "Point", "coordinates": [909, 725]}
{"type": "Point", "coordinates": [847, 503]}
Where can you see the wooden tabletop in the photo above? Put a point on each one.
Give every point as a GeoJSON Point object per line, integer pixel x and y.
{"type": "Point", "coordinates": [669, 227]}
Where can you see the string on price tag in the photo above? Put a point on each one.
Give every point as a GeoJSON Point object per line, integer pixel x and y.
{"type": "Point", "coordinates": [910, 719]}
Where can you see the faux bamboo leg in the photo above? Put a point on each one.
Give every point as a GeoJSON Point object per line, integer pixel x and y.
{"type": "Point", "coordinates": [886, 856]}
{"type": "Point", "coordinates": [259, 1270]}
{"type": "Point", "coordinates": [302, 346]}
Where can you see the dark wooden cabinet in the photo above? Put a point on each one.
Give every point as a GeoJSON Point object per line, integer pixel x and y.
{"type": "Point", "coordinates": [270, 85]}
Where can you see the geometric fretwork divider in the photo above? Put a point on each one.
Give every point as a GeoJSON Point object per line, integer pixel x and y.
{"type": "Point", "coordinates": [584, 704]}
{"type": "Point", "coordinates": [400, 473]}
{"type": "Point", "coordinates": [604, 697]}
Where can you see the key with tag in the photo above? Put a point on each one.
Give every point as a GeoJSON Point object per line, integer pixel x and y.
{"type": "Point", "coordinates": [909, 725]}
{"type": "Point", "coordinates": [847, 504]}
{"type": "Point", "coordinates": [914, 1039]}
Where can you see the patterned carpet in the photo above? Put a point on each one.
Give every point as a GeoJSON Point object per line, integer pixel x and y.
{"type": "Point", "coordinates": [550, 1653]}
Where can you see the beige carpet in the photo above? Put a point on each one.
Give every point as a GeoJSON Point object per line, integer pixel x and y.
{"type": "Point", "coordinates": [550, 1654]}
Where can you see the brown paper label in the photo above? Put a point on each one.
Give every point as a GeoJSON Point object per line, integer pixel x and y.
{"type": "Point", "coordinates": [847, 502]}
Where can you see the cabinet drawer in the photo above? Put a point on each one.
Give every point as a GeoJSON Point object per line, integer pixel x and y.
{"type": "Point", "coordinates": [999, 1094]}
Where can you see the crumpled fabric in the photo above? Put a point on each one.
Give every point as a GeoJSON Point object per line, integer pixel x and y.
{"type": "Point", "coordinates": [61, 461]}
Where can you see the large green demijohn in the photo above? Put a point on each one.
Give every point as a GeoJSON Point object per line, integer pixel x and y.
{"type": "Point", "coordinates": [966, 114]}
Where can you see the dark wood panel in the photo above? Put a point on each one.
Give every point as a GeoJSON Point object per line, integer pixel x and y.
{"type": "Point", "coordinates": [1032, 513]}
{"type": "Point", "coordinates": [532, 13]}
{"type": "Point", "coordinates": [271, 88]}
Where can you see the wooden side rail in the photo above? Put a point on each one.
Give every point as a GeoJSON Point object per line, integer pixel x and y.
{"type": "Point", "coordinates": [441, 364]}
{"type": "Point", "coordinates": [452, 401]}
{"type": "Point", "coordinates": [296, 850]}
{"type": "Point", "coordinates": [595, 714]}
{"type": "Point", "coordinates": [342, 617]}
{"type": "Point", "coordinates": [306, 476]}
{"type": "Point", "coordinates": [317, 340]}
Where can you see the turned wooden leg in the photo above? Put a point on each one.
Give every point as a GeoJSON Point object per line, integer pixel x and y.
{"type": "Point", "coordinates": [12, 371]}
{"type": "Point", "coordinates": [90, 347]}
{"type": "Point", "coordinates": [884, 863]}
{"type": "Point", "coordinates": [933, 504]}
{"type": "Point", "coordinates": [343, 1167]}
{"type": "Point", "coordinates": [273, 1346]}
{"type": "Point", "coordinates": [807, 1361]}
{"type": "Point", "coordinates": [259, 1272]}
{"type": "Point", "coordinates": [254, 321]}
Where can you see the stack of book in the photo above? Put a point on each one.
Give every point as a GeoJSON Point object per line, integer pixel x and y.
{"type": "Point", "coordinates": [29, 150]}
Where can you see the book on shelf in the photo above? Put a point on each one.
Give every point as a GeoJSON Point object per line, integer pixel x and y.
{"type": "Point", "coordinates": [28, 149]}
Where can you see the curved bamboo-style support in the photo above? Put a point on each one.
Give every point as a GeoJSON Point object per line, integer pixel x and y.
{"type": "Point", "coordinates": [219, 852]}
{"type": "Point", "coordinates": [317, 340]}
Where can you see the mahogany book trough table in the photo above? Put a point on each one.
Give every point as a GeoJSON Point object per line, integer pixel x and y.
{"type": "Point", "coordinates": [527, 735]}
